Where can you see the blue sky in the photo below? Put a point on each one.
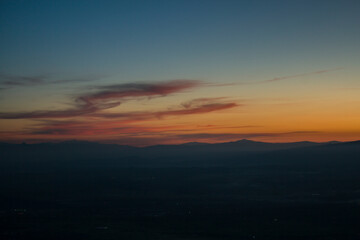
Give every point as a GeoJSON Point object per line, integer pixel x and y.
{"type": "Point", "coordinates": [282, 66]}
{"type": "Point", "coordinates": [140, 40]}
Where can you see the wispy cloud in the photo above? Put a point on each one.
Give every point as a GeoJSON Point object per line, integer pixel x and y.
{"type": "Point", "coordinates": [8, 80]}
{"type": "Point", "coordinates": [299, 75]}
{"type": "Point", "coordinates": [136, 90]}
{"type": "Point", "coordinates": [109, 128]}
{"type": "Point", "coordinates": [11, 80]}
{"type": "Point", "coordinates": [106, 97]}
{"type": "Point", "coordinates": [275, 79]}
{"type": "Point", "coordinates": [120, 123]}
{"type": "Point", "coordinates": [81, 108]}
{"type": "Point", "coordinates": [196, 106]}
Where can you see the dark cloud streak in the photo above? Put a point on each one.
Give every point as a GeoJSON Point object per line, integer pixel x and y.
{"type": "Point", "coordinates": [206, 106]}
{"type": "Point", "coordinates": [299, 75]}
{"type": "Point", "coordinates": [111, 97]}
{"type": "Point", "coordinates": [135, 90]}
{"type": "Point", "coordinates": [276, 78]}
{"type": "Point", "coordinates": [13, 80]}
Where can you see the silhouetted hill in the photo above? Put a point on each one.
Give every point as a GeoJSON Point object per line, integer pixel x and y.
{"type": "Point", "coordinates": [237, 146]}
{"type": "Point", "coordinates": [86, 147]}
{"type": "Point", "coordinates": [86, 190]}
{"type": "Point", "coordinates": [188, 154]}
{"type": "Point", "coordinates": [63, 151]}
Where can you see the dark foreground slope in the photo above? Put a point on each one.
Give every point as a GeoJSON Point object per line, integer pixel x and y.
{"type": "Point", "coordinates": [241, 190]}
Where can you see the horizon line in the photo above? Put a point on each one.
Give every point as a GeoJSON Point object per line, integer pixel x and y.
{"type": "Point", "coordinates": [175, 144]}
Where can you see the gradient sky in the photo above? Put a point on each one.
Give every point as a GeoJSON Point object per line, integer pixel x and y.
{"type": "Point", "coordinates": [151, 72]}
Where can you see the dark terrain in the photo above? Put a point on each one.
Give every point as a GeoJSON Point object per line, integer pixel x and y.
{"type": "Point", "coordinates": [239, 190]}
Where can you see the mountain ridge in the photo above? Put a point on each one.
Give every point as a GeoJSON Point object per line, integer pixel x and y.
{"type": "Point", "coordinates": [186, 144]}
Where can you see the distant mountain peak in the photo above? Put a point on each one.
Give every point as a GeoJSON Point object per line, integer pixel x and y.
{"type": "Point", "coordinates": [194, 144]}
{"type": "Point", "coordinates": [245, 141]}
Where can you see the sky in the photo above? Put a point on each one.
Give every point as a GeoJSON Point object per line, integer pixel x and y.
{"type": "Point", "coordinates": [168, 72]}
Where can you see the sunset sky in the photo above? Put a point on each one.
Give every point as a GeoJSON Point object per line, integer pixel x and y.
{"type": "Point", "coordinates": [166, 72]}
